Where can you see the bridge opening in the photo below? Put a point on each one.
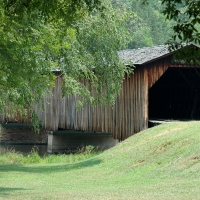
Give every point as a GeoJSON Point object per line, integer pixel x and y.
{"type": "Point", "coordinates": [176, 95]}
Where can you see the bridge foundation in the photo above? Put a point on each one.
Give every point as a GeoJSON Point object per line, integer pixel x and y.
{"type": "Point", "coordinates": [62, 141]}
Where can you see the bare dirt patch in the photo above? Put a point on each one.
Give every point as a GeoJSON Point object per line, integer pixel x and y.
{"type": "Point", "coordinates": [170, 130]}
{"type": "Point", "coordinates": [138, 163]}
{"type": "Point", "coordinates": [164, 146]}
{"type": "Point", "coordinates": [195, 158]}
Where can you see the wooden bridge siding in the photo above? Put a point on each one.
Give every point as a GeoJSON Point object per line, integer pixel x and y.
{"type": "Point", "coordinates": [124, 119]}
{"type": "Point", "coordinates": [183, 65]}
{"type": "Point", "coordinates": [128, 116]}
{"type": "Point", "coordinates": [156, 69]}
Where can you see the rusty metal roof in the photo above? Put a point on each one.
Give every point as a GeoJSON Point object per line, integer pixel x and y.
{"type": "Point", "coordinates": [143, 55]}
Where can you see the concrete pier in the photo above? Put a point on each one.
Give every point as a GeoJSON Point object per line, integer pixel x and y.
{"type": "Point", "coordinates": [61, 141]}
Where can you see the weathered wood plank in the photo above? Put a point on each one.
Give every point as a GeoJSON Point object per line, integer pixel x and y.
{"type": "Point", "coordinates": [128, 116]}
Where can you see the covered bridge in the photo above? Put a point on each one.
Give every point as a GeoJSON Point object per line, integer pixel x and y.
{"type": "Point", "coordinates": [171, 87]}
{"type": "Point", "coordinates": [160, 88]}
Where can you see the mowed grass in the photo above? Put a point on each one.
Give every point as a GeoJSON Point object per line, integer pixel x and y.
{"type": "Point", "coordinates": [159, 163]}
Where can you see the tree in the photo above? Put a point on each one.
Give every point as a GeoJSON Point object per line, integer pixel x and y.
{"type": "Point", "coordinates": [95, 53]}
{"type": "Point", "coordinates": [149, 26]}
{"type": "Point", "coordinates": [186, 14]}
{"type": "Point", "coordinates": [80, 38]}
{"type": "Point", "coordinates": [186, 17]}
{"type": "Point", "coordinates": [152, 29]}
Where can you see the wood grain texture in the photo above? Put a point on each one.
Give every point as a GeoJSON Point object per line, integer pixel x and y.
{"type": "Point", "coordinates": [128, 116]}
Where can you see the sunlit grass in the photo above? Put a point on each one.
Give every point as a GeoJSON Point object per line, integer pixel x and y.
{"type": "Point", "coordinates": [160, 163]}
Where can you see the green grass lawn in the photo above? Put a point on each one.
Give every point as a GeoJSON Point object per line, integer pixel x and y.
{"type": "Point", "coordinates": [159, 163]}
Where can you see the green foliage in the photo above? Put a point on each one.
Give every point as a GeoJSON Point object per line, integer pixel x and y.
{"type": "Point", "coordinates": [79, 38]}
{"type": "Point", "coordinates": [186, 19]}
{"type": "Point", "coordinates": [94, 53]}
{"type": "Point", "coordinates": [10, 156]}
{"type": "Point", "coordinates": [25, 73]}
{"type": "Point", "coordinates": [69, 10]}
{"type": "Point", "coordinates": [89, 149]}
{"type": "Point", "coordinates": [149, 26]}
{"type": "Point", "coordinates": [187, 16]}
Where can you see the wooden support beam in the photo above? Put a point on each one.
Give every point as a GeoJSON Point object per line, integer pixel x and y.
{"type": "Point", "coordinates": [194, 106]}
{"type": "Point", "coordinates": [64, 132]}
{"type": "Point", "coordinates": [197, 72]}
{"type": "Point", "coordinates": [184, 77]}
{"type": "Point", "coordinates": [16, 125]}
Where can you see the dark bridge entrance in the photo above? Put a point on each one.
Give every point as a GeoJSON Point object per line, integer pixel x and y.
{"type": "Point", "coordinates": [176, 95]}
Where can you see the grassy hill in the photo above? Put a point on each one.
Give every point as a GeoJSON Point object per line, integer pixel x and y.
{"type": "Point", "coordinates": [159, 163]}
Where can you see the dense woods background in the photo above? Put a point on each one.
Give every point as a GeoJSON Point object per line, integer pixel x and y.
{"type": "Point", "coordinates": [149, 27]}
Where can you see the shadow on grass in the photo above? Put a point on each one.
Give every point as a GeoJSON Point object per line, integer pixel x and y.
{"type": "Point", "coordinates": [46, 168]}
{"type": "Point", "coordinates": [5, 191]}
